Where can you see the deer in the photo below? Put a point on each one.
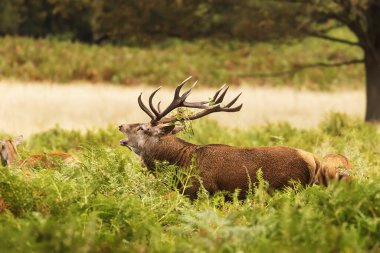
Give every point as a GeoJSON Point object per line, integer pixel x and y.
{"type": "Point", "coordinates": [9, 155]}
{"type": "Point", "coordinates": [219, 167]}
{"type": "Point", "coordinates": [8, 150]}
{"type": "Point", "coordinates": [334, 167]}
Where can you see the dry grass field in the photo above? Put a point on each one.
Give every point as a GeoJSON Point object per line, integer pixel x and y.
{"type": "Point", "coordinates": [30, 108]}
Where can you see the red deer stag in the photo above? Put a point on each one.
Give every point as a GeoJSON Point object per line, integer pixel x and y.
{"type": "Point", "coordinates": [9, 155]}
{"type": "Point", "coordinates": [220, 167]}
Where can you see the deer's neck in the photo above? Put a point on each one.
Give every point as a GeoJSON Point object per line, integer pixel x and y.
{"type": "Point", "coordinates": [10, 154]}
{"type": "Point", "coordinates": [171, 149]}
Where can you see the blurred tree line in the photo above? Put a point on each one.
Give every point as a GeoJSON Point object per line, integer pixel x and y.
{"type": "Point", "coordinates": [126, 21]}
{"type": "Point", "coordinates": [99, 20]}
{"type": "Point", "coordinates": [71, 19]}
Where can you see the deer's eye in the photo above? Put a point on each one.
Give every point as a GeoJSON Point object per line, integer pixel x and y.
{"type": "Point", "coordinates": [140, 128]}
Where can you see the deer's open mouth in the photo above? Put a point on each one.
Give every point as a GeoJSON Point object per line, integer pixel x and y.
{"type": "Point", "coordinates": [124, 142]}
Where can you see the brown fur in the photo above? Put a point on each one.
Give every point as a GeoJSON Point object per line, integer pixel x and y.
{"type": "Point", "coordinates": [47, 160]}
{"type": "Point", "coordinates": [9, 156]}
{"type": "Point", "coordinates": [8, 151]}
{"type": "Point", "coordinates": [226, 168]}
{"type": "Point", "coordinates": [334, 167]}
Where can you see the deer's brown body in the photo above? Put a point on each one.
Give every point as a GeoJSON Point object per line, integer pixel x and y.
{"type": "Point", "coordinates": [9, 156]}
{"type": "Point", "coordinates": [8, 150]}
{"type": "Point", "coordinates": [221, 167]}
{"type": "Point", "coordinates": [226, 168]}
{"type": "Point", "coordinates": [47, 160]}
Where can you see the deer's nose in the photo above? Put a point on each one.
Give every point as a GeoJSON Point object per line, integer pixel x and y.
{"type": "Point", "coordinates": [120, 127]}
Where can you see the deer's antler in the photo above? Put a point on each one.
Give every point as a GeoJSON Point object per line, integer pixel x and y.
{"type": "Point", "coordinates": [178, 101]}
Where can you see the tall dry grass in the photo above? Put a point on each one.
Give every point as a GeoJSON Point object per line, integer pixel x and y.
{"type": "Point", "coordinates": [31, 108]}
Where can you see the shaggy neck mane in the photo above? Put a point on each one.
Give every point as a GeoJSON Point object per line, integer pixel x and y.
{"type": "Point", "coordinates": [11, 151]}
{"type": "Point", "coordinates": [171, 149]}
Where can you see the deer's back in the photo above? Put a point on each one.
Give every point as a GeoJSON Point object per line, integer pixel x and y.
{"type": "Point", "coordinates": [227, 168]}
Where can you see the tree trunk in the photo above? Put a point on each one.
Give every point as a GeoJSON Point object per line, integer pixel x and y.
{"type": "Point", "coordinates": [371, 43]}
{"type": "Point", "coordinates": [372, 68]}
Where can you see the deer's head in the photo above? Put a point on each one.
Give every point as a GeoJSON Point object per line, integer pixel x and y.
{"type": "Point", "coordinates": [140, 136]}
{"type": "Point", "coordinates": [8, 150]}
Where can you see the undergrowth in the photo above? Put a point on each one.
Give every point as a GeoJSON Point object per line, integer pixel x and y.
{"type": "Point", "coordinates": [110, 203]}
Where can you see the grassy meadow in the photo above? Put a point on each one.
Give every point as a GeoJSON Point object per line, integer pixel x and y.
{"type": "Point", "coordinates": [171, 61]}
{"type": "Point", "coordinates": [109, 203]}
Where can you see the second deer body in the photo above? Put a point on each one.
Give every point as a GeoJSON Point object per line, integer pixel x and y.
{"type": "Point", "coordinates": [9, 156]}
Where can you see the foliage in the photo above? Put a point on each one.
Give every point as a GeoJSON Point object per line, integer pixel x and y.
{"type": "Point", "coordinates": [137, 21]}
{"type": "Point", "coordinates": [143, 21]}
{"type": "Point", "coordinates": [64, 19]}
{"type": "Point", "coordinates": [171, 61]}
{"type": "Point", "coordinates": [9, 16]}
{"type": "Point", "coordinates": [110, 203]}
{"type": "Point", "coordinates": [289, 19]}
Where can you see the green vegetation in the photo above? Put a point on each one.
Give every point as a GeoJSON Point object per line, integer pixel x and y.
{"type": "Point", "coordinates": [109, 203]}
{"type": "Point", "coordinates": [170, 62]}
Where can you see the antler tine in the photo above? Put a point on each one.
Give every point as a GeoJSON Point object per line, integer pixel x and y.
{"type": "Point", "coordinates": [179, 87]}
{"type": "Point", "coordinates": [227, 108]}
{"type": "Point", "coordinates": [177, 101]}
{"type": "Point", "coordinates": [221, 97]}
{"type": "Point", "coordinates": [195, 116]}
{"type": "Point", "coordinates": [233, 101]}
{"type": "Point", "coordinates": [211, 109]}
{"type": "Point", "coordinates": [215, 99]}
{"type": "Point", "coordinates": [216, 108]}
{"type": "Point", "coordinates": [144, 108]}
{"type": "Point", "coordinates": [180, 101]}
{"type": "Point", "coordinates": [199, 105]}
{"type": "Point", "coordinates": [151, 102]}
{"type": "Point", "coordinates": [233, 109]}
{"type": "Point", "coordinates": [186, 93]}
{"type": "Point", "coordinates": [217, 92]}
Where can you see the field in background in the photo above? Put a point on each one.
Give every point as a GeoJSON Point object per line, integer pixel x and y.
{"type": "Point", "coordinates": [31, 108]}
{"type": "Point", "coordinates": [213, 63]}
{"type": "Point", "coordinates": [109, 203]}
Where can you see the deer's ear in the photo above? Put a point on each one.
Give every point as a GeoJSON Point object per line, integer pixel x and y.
{"type": "Point", "coordinates": [166, 129]}
{"type": "Point", "coordinates": [177, 129]}
{"type": "Point", "coordinates": [170, 129]}
{"type": "Point", "coordinates": [19, 139]}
